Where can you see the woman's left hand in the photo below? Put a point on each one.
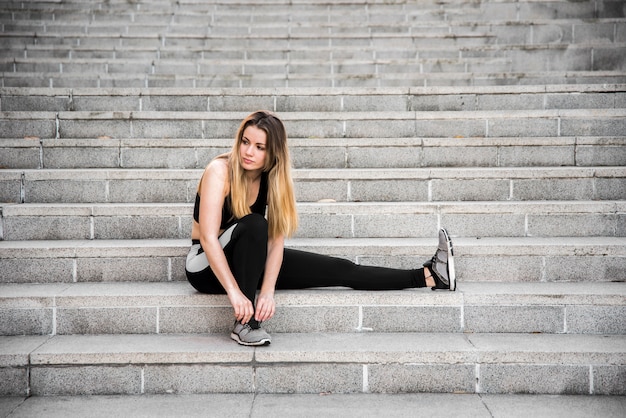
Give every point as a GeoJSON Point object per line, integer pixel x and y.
{"type": "Point", "coordinates": [265, 307]}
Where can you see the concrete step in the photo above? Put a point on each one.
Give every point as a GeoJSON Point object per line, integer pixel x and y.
{"type": "Point", "coordinates": [76, 80]}
{"type": "Point", "coordinates": [436, 39]}
{"type": "Point", "coordinates": [150, 50]}
{"type": "Point", "coordinates": [275, 38]}
{"type": "Point", "coordinates": [287, 100]}
{"type": "Point", "coordinates": [341, 185]}
{"type": "Point", "coordinates": [175, 307]}
{"type": "Point", "coordinates": [377, 124]}
{"type": "Point", "coordinates": [297, 42]}
{"type": "Point", "coordinates": [314, 363]}
{"type": "Point", "coordinates": [51, 221]}
{"type": "Point", "coordinates": [29, 48]}
{"type": "Point", "coordinates": [534, 31]}
{"type": "Point", "coordinates": [314, 405]}
{"type": "Point", "coordinates": [442, 53]}
{"type": "Point", "coordinates": [333, 153]}
{"type": "Point", "coordinates": [459, 9]}
{"type": "Point", "coordinates": [370, 11]}
{"type": "Point", "coordinates": [488, 259]}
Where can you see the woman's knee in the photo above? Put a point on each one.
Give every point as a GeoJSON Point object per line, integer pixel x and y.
{"type": "Point", "coordinates": [253, 224]}
{"type": "Point", "coordinates": [205, 282]}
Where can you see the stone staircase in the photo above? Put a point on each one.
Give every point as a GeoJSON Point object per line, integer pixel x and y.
{"type": "Point", "coordinates": [504, 121]}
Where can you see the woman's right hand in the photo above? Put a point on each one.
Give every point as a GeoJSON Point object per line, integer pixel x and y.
{"type": "Point", "coordinates": [242, 306]}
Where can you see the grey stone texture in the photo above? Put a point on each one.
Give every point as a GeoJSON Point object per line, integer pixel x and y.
{"type": "Point", "coordinates": [173, 307]}
{"type": "Point", "coordinates": [198, 378]}
{"type": "Point", "coordinates": [557, 379]}
{"type": "Point", "coordinates": [311, 405]}
{"type": "Point", "coordinates": [502, 121]}
{"type": "Point", "coordinates": [87, 380]}
{"type": "Point", "coordinates": [490, 364]}
{"type": "Point", "coordinates": [416, 378]}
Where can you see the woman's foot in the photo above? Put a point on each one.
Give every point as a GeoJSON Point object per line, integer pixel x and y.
{"type": "Point", "coordinates": [244, 334]}
{"type": "Point", "coordinates": [441, 266]}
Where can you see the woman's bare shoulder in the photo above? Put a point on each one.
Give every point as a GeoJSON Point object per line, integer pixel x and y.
{"type": "Point", "coordinates": [215, 172]}
{"type": "Point", "coordinates": [217, 166]}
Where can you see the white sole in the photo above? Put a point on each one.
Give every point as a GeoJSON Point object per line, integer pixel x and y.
{"type": "Point", "coordinates": [264, 341]}
{"type": "Point", "coordinates": [451, 273]}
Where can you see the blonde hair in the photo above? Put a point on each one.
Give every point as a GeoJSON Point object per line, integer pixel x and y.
{"type": "Point", "coordinates": [282, 215]}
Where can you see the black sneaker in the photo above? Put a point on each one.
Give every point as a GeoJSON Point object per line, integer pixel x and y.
{"type": "Point", "coordinates": [442, 263]}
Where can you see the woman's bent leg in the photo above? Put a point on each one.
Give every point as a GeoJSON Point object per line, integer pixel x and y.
{"type": "Point", "coordinates": [303, 269]}
{"type": "Point", "coordinates": [198, 272]}
{"type": "Point", "coordinates": [245, 251]}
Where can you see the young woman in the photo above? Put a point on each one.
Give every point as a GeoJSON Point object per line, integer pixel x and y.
{"type": "Point", "coordinates": [244, 209]}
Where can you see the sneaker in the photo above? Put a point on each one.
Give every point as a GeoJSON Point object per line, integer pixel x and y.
{"type": "Point", "coordinates": [244, 334]}
{"type": "Point", "coordinates": [442, 263]}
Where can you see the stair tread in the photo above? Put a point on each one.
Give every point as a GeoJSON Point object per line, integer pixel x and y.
{"type": "Point", "coordinates": [331, 207]}
{"type": "Point", "coordinates": [110, 294]}
{"type": "Point", "coordinates": [440, 348]}
{"type": "Point", "coordinates": [334, 115]}
{"type": "Point", "coordinates": [324, 173]}
{"type": "Point", "coordinates": [495, 77]}
{"type": "Point", "coordinates": [317, 404]}
{"type": "Point", "coordinates": [316, 91]}
{"type": "Point", "coordinates": [462, 245]}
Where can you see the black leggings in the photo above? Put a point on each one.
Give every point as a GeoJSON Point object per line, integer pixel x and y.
{"type": "Point", "coordinates": [245, 247]}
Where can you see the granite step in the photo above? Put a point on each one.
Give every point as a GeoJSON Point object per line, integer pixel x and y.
{"type": "Point", "coordinates": [482, 259]}
{"type": "Point", "coordinates": [355, 405]}
{"type": "Point", "coordinates": [378, 124]}
{"type": "Point", "coordinates": [340, 185]}
{"type": "Point", "coordinates": [312, 153]}
{"type": "Point", "coordinates": [286, 100]}
{"type": "Point", "coordinates": [388, 12]}
{"type": "Point", "coordinates": [176, 308]}
{"type": "Point", "coordinates": [394, 10]}
{"type": "Point", "coordinates": [456, 56]}
{"type": "Point", "coordinates": [320, 57]}
{"type": "Point", "coordinates": [85, 221]}
{"type": "Point", "coordinates": [60, 80]}
{"type": "Point", "coordinates": [536, 31]}
{"type": "Point", "coordinates": [314, 363]}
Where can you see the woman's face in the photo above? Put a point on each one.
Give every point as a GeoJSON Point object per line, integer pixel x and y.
{"type": "Point", "coordinates": [253, 149]}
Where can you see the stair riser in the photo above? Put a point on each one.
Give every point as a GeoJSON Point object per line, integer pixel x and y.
{"type": "Point", "coordinates": [489, 268]}
{"type": "Point", "coordinates": [385, 190]}
{"type": "Point", "coordinates": [581, 58]}
{"type": "Point", "coordinates": [583, 379]}
{"type": "Point", "coordinates": [328, 18]}
{"type": "Point", "coordinates": [261, 81]}
{"type": "Point", "coordinates": [125, 125]}
{"type": "Point", "coordinates": [33, 155]}
{"type": "Point", "coordinates": [388, 13]}
{"type": "Point", "coordinates": [507, 33]}
{"type": "Point", "coordinates": [391, 225]}
{"type": "Point", "coordinates": [93, 269]}
{"type": "Point", "coordinates": [81, 101]}
{"type": "Point", "coordinates": [546, 319]}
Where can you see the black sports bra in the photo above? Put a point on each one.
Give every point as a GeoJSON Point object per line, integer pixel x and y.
{"type": "Point", "coordinates": [227, 214]}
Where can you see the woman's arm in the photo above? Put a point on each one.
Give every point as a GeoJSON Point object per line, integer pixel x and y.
{"type": "Point", "coordinates": [265, 305]}
{"type": "Point", "coordinates": [214, 189]}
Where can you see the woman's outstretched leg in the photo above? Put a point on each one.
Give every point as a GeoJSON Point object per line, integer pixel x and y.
{"type": "Point", "coordinates": [301, 270]}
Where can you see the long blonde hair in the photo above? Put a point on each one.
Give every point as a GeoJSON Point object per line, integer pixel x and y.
{"type": "Point", "coordinates": [282, 214]}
